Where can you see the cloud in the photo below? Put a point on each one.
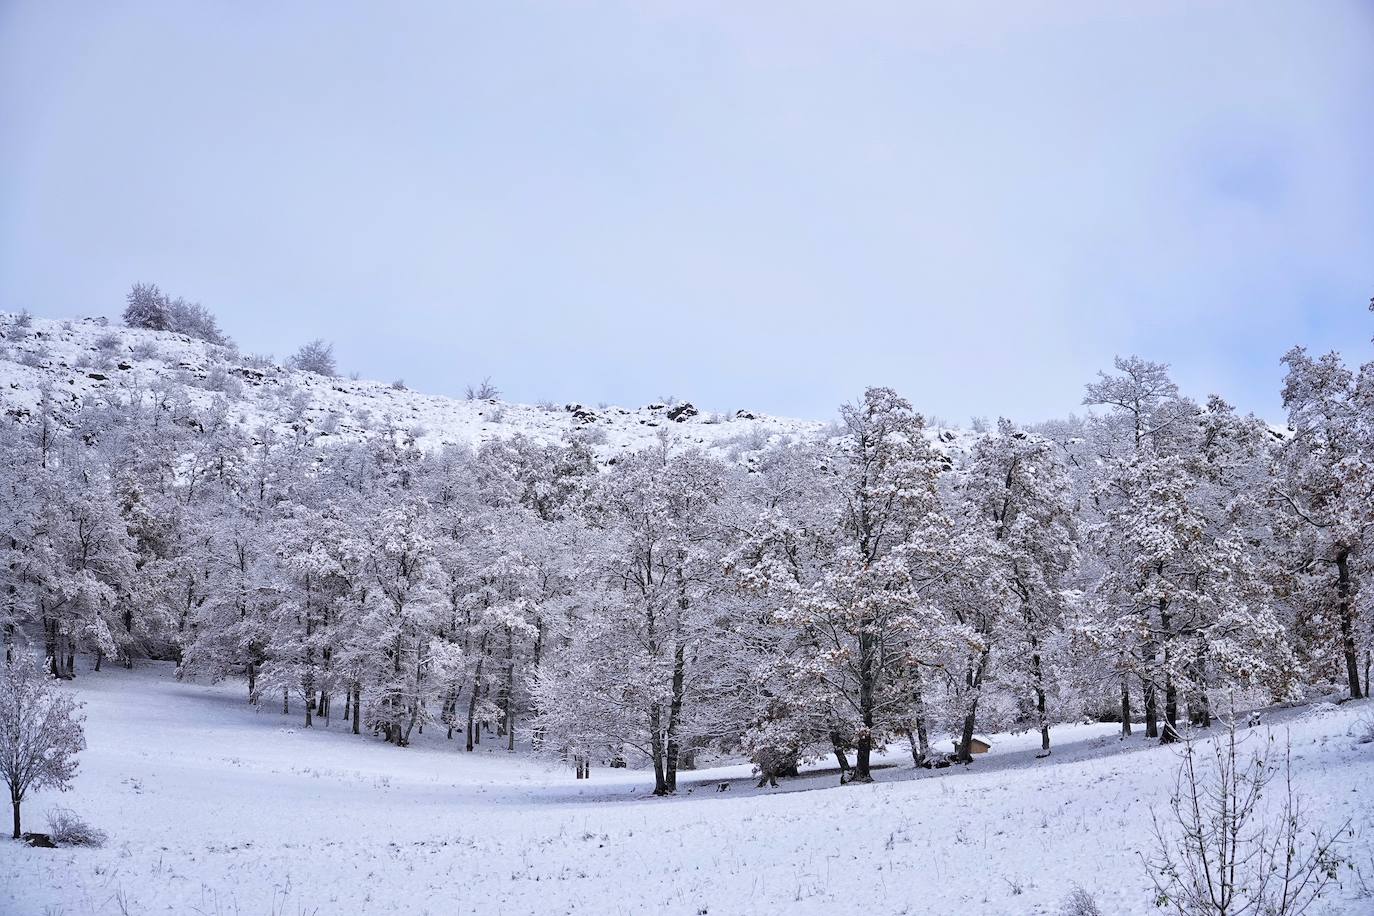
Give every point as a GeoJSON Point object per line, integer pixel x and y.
{"type": "Point", "coordinates": [766, 205]}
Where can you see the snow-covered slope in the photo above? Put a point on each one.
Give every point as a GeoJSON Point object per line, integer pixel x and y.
{"type": "Point", "coordinates": [85, 361]}
{"type": "Point", "coordinates": [214, 808]}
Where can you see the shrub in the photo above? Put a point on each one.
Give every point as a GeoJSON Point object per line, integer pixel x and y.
{"type": "Point", "coordinates": [317, 357]}
{"type": "Point", "coordinates": [147, 308]}
{"type": "Point", "coordinates": [107, 342]}
{"type": "Point", "coordinates": [483, 392]}
{"type": "Point", "coordinates": [399, 384]}
{"type": "Point", "coordinates": [146, 349]}
{"type": "Point", "coordinates": [67, 828]}
{"type": "Point", "coordinates": [1079, 903]}
{"type": "Point", "coordinates": [1364, 728]}
{"type": "Point", "coordinates": [195, 320]}
{"type": "Point", "coordinates": [1226, 852]}
{"type": "Point", "coordinates": [219, 379]}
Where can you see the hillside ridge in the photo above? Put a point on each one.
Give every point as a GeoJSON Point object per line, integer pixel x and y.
{"type": "Point", "coordinates": [88, 361]}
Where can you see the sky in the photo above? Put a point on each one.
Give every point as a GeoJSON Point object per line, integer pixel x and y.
{"type": "Point", "coordinates": [764, 206]}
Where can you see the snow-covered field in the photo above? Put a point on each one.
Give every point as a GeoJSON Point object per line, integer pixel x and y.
{"type": "Point", "coordinates": [214, 808]}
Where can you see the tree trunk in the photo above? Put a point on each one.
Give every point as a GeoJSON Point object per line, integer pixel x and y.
{"type": "Point", "coordinates": [357, 707]}
{"type": "Point", "coordinates": [472, 712]}
{"type": "Point", "coordinates": [14, 803]}
{"type": "Point", "coordinates": [1347, 612]}
{"type": "Point", "coordinates": [473, 738]}
{"type": "Point", "coordinates": [1125, 706]}
{"type": "Point", "coordinates": [657, 750]}
{"type": "Point", "coordinates": [1040, 701]}
{"type": "Point", "coordinates": [863, 746]}
{"type": "Point", "coordinates": [1170, 733]}
{"type": "Point", "coordinates": [49, 640]}
{"type": "Point", "coordinates": [508, 692]}
{"type": "Point", "coordinates": [675, 716]}
{"type": "Point", "coordinates": [920, 748]}
{"type": "Point", "coordinates": [975, 684]}
{"type": "Point", "coordinates": [863, 756]}
{"type": "Point", "coordinates": [537, 733]}
{"type": "Point", "coordinates": [837, 746]}
{"type": "Point", "coordinates": [1151, 706]}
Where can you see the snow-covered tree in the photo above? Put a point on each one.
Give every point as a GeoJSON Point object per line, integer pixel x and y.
{"type": "Point", "coordinates": [147, 307]}
{"type": "Point", "coordinates": [853, 584]}
{"type": "Point", "coordinates": [315, 356]}
{"type": "Point", "coordinates": [1017, 496]}
{"type": "Point", "coordinates": [628, 678]}
{"type": "Point", "coordinates": [40, 732]}
{"type": "Point", "coordinates": [1324, 483]}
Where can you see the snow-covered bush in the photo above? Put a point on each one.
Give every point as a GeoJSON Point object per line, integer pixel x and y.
{"type": "Point", "coordinates": [146, 350]}
{"type": "Point", "coordinates": [150, 308]}
{"type": "Point", "coordinates": [219, 379]}
{"type": "Point", "coordinates": [195, 320]}
{"type": "Point", "coordinates": [1226, 853]}
{"type": "Point", "coordinates": [107, 342]}
{"type": "Point", "coordinates": [67, 828]}
{"type": "Point", "coordinates": [317, 357]}
{"type": "Point", "coordinates": [36, 358]}
{"type": "Point", "coordinates": [483, 392]}
{"type": "Point", "coordinates": [1079, 903]}
{"type": "Point", "coordinates": [1364, 728]}
{"type": "Point", "coordinates": [329, 423]}
{"type": "Point", "coordinates": [147, 308]}
{"type": "Point", "coordinates": [594, 435]}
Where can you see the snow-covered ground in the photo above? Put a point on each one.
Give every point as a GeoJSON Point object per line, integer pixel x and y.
{"type": "Point", "coordinates": [213, 808]}
{"type": "Point", "coordinates": [87, 361]}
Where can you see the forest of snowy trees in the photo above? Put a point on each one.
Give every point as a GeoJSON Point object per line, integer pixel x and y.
{"type": "Point", "coordinates": [885, 583]}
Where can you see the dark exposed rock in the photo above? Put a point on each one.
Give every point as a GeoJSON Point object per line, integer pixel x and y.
{"type": "Point", "coordinates": [581, 414]}
{"type": "Point", "coordinates": [745, 415]}
{"type": "Point", "coordinates": [41, 840]}
{"type": "Point", "coordinates": [682, 412]}
{"type": "Point", "coordinates": [97, 376]}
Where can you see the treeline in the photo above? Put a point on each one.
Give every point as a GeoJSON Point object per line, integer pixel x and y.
{"type": "Point", "coordinates": [827, 597]}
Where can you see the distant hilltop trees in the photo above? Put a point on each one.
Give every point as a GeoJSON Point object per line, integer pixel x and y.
{"type": "Point", "coordinates": [149, 307]}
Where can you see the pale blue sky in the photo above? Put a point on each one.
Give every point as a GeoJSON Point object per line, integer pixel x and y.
{"type": "Point", "coordinates": [763, 205]}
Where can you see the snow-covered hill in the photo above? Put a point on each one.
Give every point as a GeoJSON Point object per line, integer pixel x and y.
{"type": "Point", "coordinates": [89, 360]}
{"type": "Point", "coordinates": [215, 808]}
